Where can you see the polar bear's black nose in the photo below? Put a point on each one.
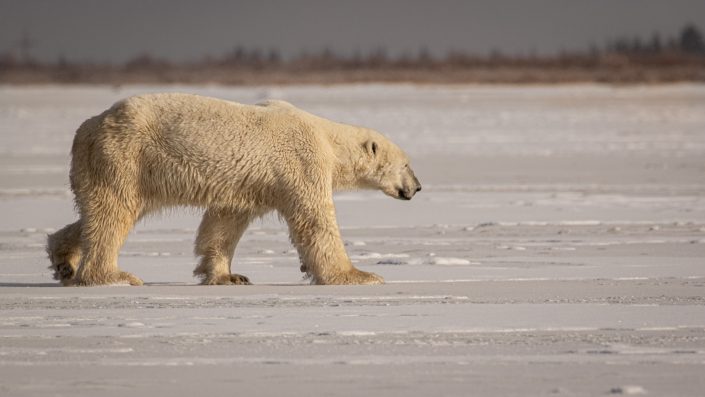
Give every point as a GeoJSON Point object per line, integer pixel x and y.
{"type": "Point", "coordinates": [418, 184]}
{"type": "Point", "coordinates": [403, 195]}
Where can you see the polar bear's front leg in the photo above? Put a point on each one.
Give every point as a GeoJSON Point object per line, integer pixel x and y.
{"type": "Point", "coordinates": [218, 234]}
{"type": "Point", "coordinates": [314, 232]}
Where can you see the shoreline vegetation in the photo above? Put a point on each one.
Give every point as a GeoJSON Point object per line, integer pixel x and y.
{"type": "Point", "coordinates": [622, 61]}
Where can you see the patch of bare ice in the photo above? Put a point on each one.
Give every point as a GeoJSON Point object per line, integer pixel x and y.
{"type": "Point", "coordinates": [376, 255]}
{"type": "Point", "coordinates": [134, 324]}
{"type": "Point", "coordinates": [145, 253]}
{"type": "Point", "coordinates": [628, 389]}
{"type": "Point", "coordinates": [431, 260]}
{"type": "Point", "coordinates": [510, 247]}
{"type": "Point", "coordinates": [356, 333]}
{"type": "Point", "coordinates": [448, 261]}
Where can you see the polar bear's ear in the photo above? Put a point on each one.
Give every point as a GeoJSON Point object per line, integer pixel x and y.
{"type": "Point", "coordinates": [371, 148]}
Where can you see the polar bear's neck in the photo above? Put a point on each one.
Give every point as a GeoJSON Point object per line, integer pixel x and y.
{"type": "Point", "coordinates": [347, 142]}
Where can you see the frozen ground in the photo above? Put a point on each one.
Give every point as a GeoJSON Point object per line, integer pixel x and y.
{"type": "Point", "coordinates": [558, 248]}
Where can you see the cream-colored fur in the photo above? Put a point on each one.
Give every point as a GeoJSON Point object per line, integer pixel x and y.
{"type": "Point", "coordinates": [236, 161]}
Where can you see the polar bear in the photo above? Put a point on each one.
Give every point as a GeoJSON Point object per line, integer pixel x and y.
{"type": "Point", "coordinates": [236, 161]}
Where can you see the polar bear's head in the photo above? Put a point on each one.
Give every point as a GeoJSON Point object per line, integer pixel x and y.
{"type": "Point", "coordinates": [388, 169]}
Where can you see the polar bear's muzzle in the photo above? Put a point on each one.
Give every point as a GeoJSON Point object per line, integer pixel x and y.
{"type": "Point", "coordinates": [411, 186]}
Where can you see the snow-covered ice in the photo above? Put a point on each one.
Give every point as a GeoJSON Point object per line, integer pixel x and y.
{"type": "Point", "coordinates": [557, 248]}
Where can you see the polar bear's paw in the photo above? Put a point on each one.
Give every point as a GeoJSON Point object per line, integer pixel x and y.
{"type": "Point", "coordinates": [365, 278]}
{"type": "Point", "coordinates": [117, 278]}
{"type": "Point", "coordinates": [127, 278]}
{"type": "Point", "coordinates": [238, 279]}
{"type": "Point", "coordinates": [227, 279]}
{"type": "Point", "coordinates": [352, 276]}
{"type": "Point", "coordinates": [63, 272]}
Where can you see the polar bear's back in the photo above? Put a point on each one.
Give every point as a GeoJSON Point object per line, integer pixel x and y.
{"type": "Point", "coordinates": [197, 127]}
{"type": "Point", "coordinates": [196, 150]}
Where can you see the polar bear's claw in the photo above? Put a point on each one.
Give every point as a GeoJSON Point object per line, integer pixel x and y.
{"type": "Point", "coordinates": [239, 279]}
{"type": "Point", "coordinates": [227, 279]}
{"type": "Point", "coordinates": [63, 271]}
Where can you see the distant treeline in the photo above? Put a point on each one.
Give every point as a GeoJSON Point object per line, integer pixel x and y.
{"type": "Point", "coordinates": [635, 60]}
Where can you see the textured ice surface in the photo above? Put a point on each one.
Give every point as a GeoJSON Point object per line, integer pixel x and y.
{"type": "Point", "coordinates": [557, 248]}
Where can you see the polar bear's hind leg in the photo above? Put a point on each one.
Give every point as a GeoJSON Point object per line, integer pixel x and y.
{"type": "Point", "coordinates": [218, 234]}
{"type": "Point", "coordinates": [105, 225]}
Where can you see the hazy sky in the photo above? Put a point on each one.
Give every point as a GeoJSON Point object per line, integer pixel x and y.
{"type": "Point", "coordinates": [116, 30]}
